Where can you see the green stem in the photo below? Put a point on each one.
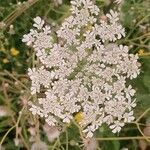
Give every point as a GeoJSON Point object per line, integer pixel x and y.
{"type": "Point", "coordinates": [8, 73]}
{"type": "Point", "coordinates": [1, 142]}
{"type": "Point", "coordinates": [142, 115]}
{"type": "Point", "coordinates": [7, 134]}
{"type": "Point", "coordinates": [16, 13]}
{"type": "Point", "coordinates": [137, 26]}
{"type": "Point", "coordinates": [123, 138]}
{"type": "Point", "coordinates": [55, 144]}
{"type": "Point", "coordinates": [66, 139]}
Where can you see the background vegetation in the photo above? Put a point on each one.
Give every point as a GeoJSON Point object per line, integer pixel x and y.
{"type": "Point", "coordinates": [16, 122]}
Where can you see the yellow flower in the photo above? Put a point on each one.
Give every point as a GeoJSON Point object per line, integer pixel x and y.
{"type": "Point", "coordinates": [79, 117]}
{"type": "Point", "coordinates": [141, 52]}
{"type": "Point", "coordinates": [14, 51]}
{"type": "Point", "coordinates": [5, 61]}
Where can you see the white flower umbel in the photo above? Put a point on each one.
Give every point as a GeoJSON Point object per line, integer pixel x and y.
{"type": "Point", "coordinates": [87, 72]}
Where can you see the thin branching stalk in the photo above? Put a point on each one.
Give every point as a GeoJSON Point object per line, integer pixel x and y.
{"type": "Point", "coordinates": [18, 120]}
{"type": "Point", "coordinates": [17, 12]}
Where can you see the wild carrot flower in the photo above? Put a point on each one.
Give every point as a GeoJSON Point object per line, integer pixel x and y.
{"type": "Point", "coordinates": [87, 72]}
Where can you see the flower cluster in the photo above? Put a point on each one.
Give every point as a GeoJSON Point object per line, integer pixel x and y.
{"type": "Point", "coordinates": [84, 70]}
